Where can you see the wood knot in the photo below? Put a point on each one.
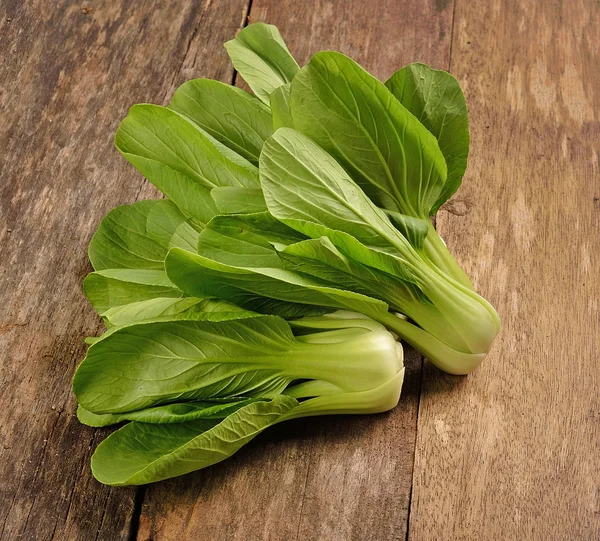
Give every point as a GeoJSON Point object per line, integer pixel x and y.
{"type": "Point", "coordinates": [458, 207]}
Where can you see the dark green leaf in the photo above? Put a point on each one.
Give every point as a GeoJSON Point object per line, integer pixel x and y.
{"type": "Point", "coordinates": [355, 118]}
{"type": "Point", "coordinates": [436, 99]}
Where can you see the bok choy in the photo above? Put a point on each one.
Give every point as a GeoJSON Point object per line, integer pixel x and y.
{"type": "Point", "coordinates": [294, 246]}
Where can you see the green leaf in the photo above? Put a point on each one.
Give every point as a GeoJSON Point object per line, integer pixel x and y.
{"type": "Point", "coordinates": [321, 259]}
{"type": "Point", "coordinates": [263, 289]}
{"type": "Point", "coordinates": [262, 58]}
{"type": "Point", "coordinates": [148, 364]}
{"type": "Point", "coordinates": [122, 240]}
{"type": "Point", "coordinates": [246, 240]}
{"type": "Point", "coordinates": [231, 200]}
{"type": "Point", "coordinates": [163, 135]}
{"type": "Point", "coordinates": [167, 414]}
{"type": "Point", "coordinates": [436, 99]}
{"type": "Point", "coordinates": [303, 183]}
{"type": "Point", "coordinates": [415, 230]}
{"type": "Point", "coordinates": [355, 118]}
{"type": "Point", "coordinates": [151, 309]}
{"type": "Point", "coordinates": [136, 238]}
{"type": "Point", "coordinates": [305, 188]}
{"type": "Point", "coordinates": [121, 296]}
{"type": "Point", "coordinates": [280, 107]}
{"type": "Point", "coordinates": [167, 225]}
{"type": "Point", "coordinates": [192, 198]}
{"type": "Point", "coordinates": [233, 117]}
{"type": "Point", "coordinates": [117, 287]}
{"type": "Point", "coordinates": [142, 453]}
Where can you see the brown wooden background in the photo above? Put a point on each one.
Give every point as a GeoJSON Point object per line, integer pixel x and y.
{"type": "Point", "coordinates": [509, 452]}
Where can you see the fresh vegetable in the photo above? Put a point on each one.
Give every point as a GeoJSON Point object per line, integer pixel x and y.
{"type": "Point", "coordinates": [198, 389]}
{"type": "Point", "coordinates": [296, 234]}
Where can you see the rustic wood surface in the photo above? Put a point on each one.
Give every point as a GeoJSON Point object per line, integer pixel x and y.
{"type": "Point", "coordinates": [509, 452]}
{"type": "Point", "coordinates": [512, 451]}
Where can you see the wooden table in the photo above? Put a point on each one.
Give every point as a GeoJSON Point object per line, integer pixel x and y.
{"type": "Point", "coordinates": [509, 452]}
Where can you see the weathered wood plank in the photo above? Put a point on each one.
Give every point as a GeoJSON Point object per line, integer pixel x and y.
{"type": "Point", "coordinates": [511, 452]}
{"type": "Point", "coordinates": [338, 478]}
{"type": "Point", "coordinates": [69, 73]}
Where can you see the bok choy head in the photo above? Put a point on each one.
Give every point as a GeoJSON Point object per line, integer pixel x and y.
{"type": "Point", "coordinates": [197, 381]}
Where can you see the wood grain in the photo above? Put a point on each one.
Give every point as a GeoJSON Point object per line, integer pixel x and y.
{"type": "Point", "coordinates": [69, 73]}
{"type": "Point", "coordinates": [319, 479]}
{"type": "Point", "coordinates": [511, 452]}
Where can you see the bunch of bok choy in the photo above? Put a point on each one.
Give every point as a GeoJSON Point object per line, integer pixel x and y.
{"type": "Point", "coordinates": [294, 245]}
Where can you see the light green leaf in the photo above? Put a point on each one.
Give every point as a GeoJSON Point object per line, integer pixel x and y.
{"type": "Point", "coordinates": [355, 118]}
{"type": "Point", "coordinates": [231, 200]}
{"type": "Point", "coordinates": [142, 453]}
{"type": "Point", "coordinates": [233, 117]}
{"type": "Point", "coordinates": [436, 99]}
{"type": "Point", "coordinates": [122, 240]}
{"type": "Point", "coordinates": [170, 227]}
{"type": "Point", "coordinates": [163, 135]}
{"type": "Point", "coordinates": [303, 183]}
{"type": "Point", "coordinates": [321, 259]}
{"type": "Point", "coordinates": [117, 287]}
{"type": "Point", "coordinates": [280, 107]}
{"type": "Point", "coordinates": [246, 240]}
{"type": "Point", "coordinates": [305, 188]}
{"type": "Point", "coordinates": [151, 309]}
{"type": "Point", "coordinates": [122, 296]}
{"type": "Point", "coordinates": [192, 198]}
{"type": "Point", "coordinates": [413, 229]}
{"type": "Point", "coordinates": [167, 414]}
{"type": "Point", "coordinates": [262, 58]}
{"type": "Point", "coordinates": [155, 363]}
{"type": "Point", "coordinates": [262, 289]}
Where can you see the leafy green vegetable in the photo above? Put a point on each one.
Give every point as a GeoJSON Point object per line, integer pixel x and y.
{"type": "Point", "coordinates": [272, 290]}
{"type": "Point", "coordinates": [264, 287]}
{"type": "Point", "coordinates": [262, 58]}
{"type": "Point", "coordinates": [318, 373]}
{"type": "Point", "coordinates": [360, 123]}
{"type": "Point", "coordinates": [142, 453]}
{"type": "Point", "coordinates": [163, 135]}
{"type": "Point", "coordinates": [231, 200]}
{"type": "Point", "coordinates": [233, 117]}
{"type": "Point", "coordinates": [122, 240]}
{"type": "Point", "coordinates": [181, 412]}
{"type": "Point", "coordinates": [317, 190]}
{"type": "Point", "coordinates": [128, 251]}
{"type": "Point", "coordinates": [386, 150]}
{"type": "Point", "coordinates": [436, 99]}
{"type": "Point", "coordinates": [280, 107]}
